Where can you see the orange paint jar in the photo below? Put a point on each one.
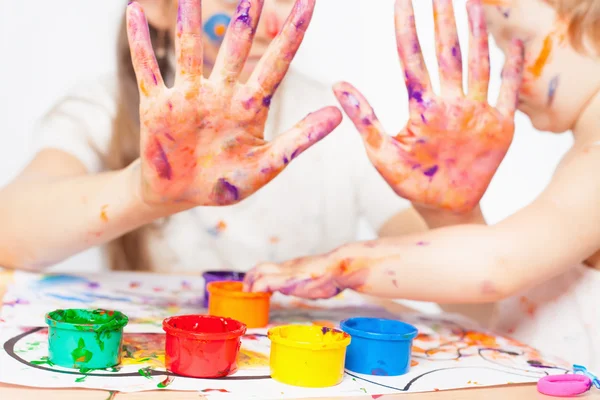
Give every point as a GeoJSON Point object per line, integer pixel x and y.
{"type": "Point", "coordinates": [227, 299]}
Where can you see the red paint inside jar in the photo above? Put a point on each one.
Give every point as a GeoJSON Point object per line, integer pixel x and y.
{"type": "Point", "coordinates": [202, 346]}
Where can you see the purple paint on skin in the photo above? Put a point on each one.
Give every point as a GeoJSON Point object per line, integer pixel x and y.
{"type": "Point", "coordinates": [243, 13]}
{"type": "Point", "coordinates": [170, 106]}
{"type": "Point", "coordinates": [414, 89]}
{"type": "Point", "coordinates": [163, 168]}
{"type": "Point", "coordinates": [423, 119]}
{"type": "Point", "coordinates": [353, 100]}
{"type": "Point", "coordinates": [415, 94]}
{"type": "Point", "coordinates": [248, 103]}
{"type": "Point", "coordinates": [297, 8]}
{"type": "Point", "coordinates": [154, 78]}
{"type": "Point", "coordinates": [416, 166]}
{"type": "Point", "coordinates": [366, 121]}
{"type": "Point", "coordinates": [455, 52]}
{"type": "Point", "coordinates": [325, 330]}
{"type": "Point", "coordinates": [285, 160]}
{"type": "Point", "coordinates": [504, 11]}
{"type": "Point", "coordinates": [295, 154]}
{"type": "Point", "coordinates": [422, 243]}
{"type": "Point", "coordinates": [226, 192]}
{"type": "Point", "coordinates": [416, 48]}
{"type": "Point", "coordinates": [552, 89]}
{"type": "Point", "coordinates": [267, 101]}
{"type": "Point", "coordinates": [168, 136]}
{"type": "Point", "coordinates": [431, 171]}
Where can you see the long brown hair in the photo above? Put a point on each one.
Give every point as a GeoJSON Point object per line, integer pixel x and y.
{"type": "Point", "coordinates": [129, 252]}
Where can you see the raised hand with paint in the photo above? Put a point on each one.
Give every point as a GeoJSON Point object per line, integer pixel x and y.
{"type": "Point", "coordinates": [538, 269]}
{"type": "Point", "coordinates": [202, 139]}
{"type": "Point", "coordinates": [124, 158]}
{"type": "Point", "coordinates": [452, 145]}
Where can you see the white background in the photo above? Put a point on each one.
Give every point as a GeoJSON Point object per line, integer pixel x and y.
{"type": "Point", "coordinates": [47, 46]}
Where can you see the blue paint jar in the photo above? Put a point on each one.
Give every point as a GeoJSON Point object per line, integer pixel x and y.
{"type": "Point", "coordinates": [378, 346]}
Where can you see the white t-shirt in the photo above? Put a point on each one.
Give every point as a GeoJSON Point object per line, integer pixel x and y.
{"type": "Point", "coordinates": [560, 317]}
{"type": "Point", "coordinates": [313, 206]}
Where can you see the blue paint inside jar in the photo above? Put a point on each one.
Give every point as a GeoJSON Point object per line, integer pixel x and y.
{"type": "Point", "coordinates": [379, 346]}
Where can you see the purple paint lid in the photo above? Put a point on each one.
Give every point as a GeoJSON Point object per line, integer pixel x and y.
{"type": "Point", "coordinates": [218, 276]}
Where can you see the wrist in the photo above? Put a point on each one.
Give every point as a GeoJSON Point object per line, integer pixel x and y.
{"type": "Point", "coordinates": [438, 218]}
{"type": "Point", "coordinates": [350, 266]}
{"type": "Point", "coordinates": [132, 174]}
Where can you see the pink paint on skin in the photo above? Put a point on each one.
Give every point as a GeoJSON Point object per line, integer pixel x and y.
{"type": "Point", "coordinates": [192, 146]}
{"type": "Point", "coordinates": [273, 24]}
{"type": "Point", "coordinates": [488, 288]}
{"type": "Point", "coordinates": [420, 163]}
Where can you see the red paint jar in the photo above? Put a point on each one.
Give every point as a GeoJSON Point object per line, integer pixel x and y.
{"type": "Point", "coordinates": [202, 346]}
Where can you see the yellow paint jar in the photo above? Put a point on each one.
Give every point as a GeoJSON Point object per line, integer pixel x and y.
{"type": "Point", "coordinates": [308, 356]}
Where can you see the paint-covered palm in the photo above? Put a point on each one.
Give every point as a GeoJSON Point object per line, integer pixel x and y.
{"type": "Point", "coordinates": [202, 140]}
{"type": "Point", "coordinates": [452, 145]}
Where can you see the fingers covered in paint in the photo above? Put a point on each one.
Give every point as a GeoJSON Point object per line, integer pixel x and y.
{"type": "Point", "coordinates": [448, 48]}
{"type": "Point", "coordinates": [512, 77]}
{"type": "Point", "coordinates": [362, 115]}
{"type": "Point", "coordinates": [237, 42]}
{"type": "Point", "coordinates": [142, 55]}
{"type": "Point", "coordinates": [306, 277]}
{"type": "Point", "coordinates": [275, 63]}
{"type": "Point", "coordinates": [309, 131]}
{"type": "Point", "coordinates": [416, 76]}
{"type": "Point", "coordinates": [189, 39]}
{"type": "Point", "coordinates": [479, 52]}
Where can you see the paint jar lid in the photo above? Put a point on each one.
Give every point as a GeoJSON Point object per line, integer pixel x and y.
{"type": "Point", "coordinates": [379, 329]}
{"type": "Point", "coordinates": [309, 337]}
{"type": "Point", "coordinates": [204, 327]}
{"type": "Point", "coordinates": [233, 289]}
{"type": "Point", "coordinates": [84, 319]}
{"type": "Point", "coordinates": [234, 275]}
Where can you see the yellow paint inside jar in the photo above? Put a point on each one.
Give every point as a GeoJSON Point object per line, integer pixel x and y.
{"type": "Point", "coordinates": [308, 356]}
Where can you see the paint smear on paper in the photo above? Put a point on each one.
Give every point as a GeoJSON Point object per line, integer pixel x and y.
{"type": "Point", "coordinates": [145, 372]}
{"type": "Point", "coordinates": [215, 390]}
{"type": "Point", "coordinates": [166, 382]}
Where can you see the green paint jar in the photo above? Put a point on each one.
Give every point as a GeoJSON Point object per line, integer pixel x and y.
{"type": "Point", "coordinates": [85, 339]}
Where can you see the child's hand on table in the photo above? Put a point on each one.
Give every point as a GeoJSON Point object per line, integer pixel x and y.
{"type": "Point", "coordinates": [202, 140]}
{"type": "Point", "coordinates": [452, 145]}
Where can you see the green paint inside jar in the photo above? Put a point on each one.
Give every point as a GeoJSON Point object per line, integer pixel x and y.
{"type": "Point", "coordinates": [80, 338]}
